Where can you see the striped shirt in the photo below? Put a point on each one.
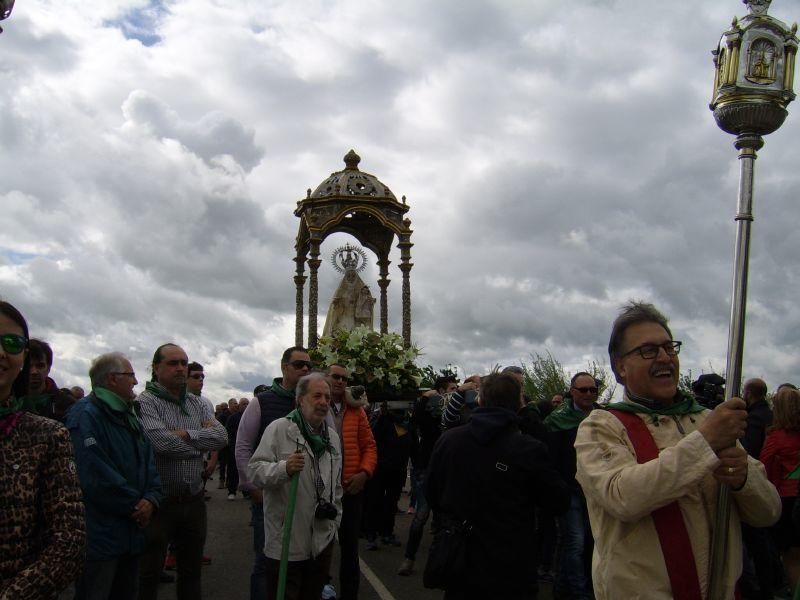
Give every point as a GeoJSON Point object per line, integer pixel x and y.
{"type": "Point", "coordinates": [180, 463]}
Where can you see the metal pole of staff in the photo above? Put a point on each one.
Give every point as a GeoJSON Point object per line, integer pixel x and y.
{"type": "Point", "coordinates": [754, 74]}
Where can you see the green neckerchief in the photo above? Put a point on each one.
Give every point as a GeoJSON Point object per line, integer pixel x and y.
{"type": "Point", "coordinates": [319, 442]}
{"type": "Point", "coordinates": [117, 404]}
{"type": "Point", "coordinates": [684, 405]}
{"type": "Point", "coordinates": [14, 405]}
{"type": "Point", "coordinates": [565, 417]}
{"type": "Point", "coordinates": [160, 391]}
{"type": "Point", "coordinates": [279, 390]}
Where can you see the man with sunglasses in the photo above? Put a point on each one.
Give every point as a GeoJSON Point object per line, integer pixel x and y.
{"type": "Point", "coordinates": [651, 466]}
{"type": "Point", "coordinates": [359, 459]}
{"type": "Point", "coordinates": [573, 579]}
{"type": "Point", "coordinates": [275, 403]}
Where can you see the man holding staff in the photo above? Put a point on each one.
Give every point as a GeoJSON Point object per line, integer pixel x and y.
{"type": "Point", "coordinates": [650, 468]}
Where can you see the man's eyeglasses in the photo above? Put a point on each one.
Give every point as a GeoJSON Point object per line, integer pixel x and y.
{"type": "Point", "coordinates": [650, 351]}
{"type": "Point", "coordinates": [585, 389]}
{"type": "Point", "coordinates": [128, 374]}
{"type": "Point", "coordinates": [337, 377]}
{"type": "Point", "coordinates": [13, 343]}
{"type": "Point", "coordinates": [197, 376]}
{"type": "Point", "coordinates": [299, 364]}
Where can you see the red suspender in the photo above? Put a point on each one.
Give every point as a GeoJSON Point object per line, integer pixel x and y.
{"type": "Point", "coordinates": [672, 533]}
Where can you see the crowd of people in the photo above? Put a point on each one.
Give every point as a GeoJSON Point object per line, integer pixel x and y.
{"type": "Point", "coordinates": [102, 490]}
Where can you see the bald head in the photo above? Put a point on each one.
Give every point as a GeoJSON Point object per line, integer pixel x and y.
{"type": "Point", "coordinates": [754, 391]}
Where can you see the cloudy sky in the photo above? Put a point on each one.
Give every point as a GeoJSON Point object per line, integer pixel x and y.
{"type": "Point", "coordinates": [558, 157]}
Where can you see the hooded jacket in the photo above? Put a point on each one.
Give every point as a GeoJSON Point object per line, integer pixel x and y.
{"type": "Point", "coordinates": [491, 475]}
{"type": "Point", "coordinates": [359, 452]}
{"type": "Point", "coordinates": [116, 467]}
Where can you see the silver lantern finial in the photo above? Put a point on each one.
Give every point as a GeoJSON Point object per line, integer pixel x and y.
{"type": "Point", "coordinates": [753, 79]}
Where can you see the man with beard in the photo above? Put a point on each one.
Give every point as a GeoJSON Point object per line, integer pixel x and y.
{"type": "Point", "coordinates": [300, 445]}
{"type": "Point", "coordinates": [651, 467]}
{"type": "Point", "coordinates": [275, 403]}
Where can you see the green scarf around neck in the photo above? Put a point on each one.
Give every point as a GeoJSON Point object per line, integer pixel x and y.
{"type": "Point", "coordinates": [319, 442]}
{"type": "Point", "coordinates": [565, 417]}
{"type": "Point", "coordinates": [14, 405]}
{"type": "Point", "coordinates": [278, 389]}
{"type": "Point", "coordinates": [117, 404]}
{"type": "Point", "coordinates": [684, 404]}
{"type": "Point", "coordinates": [160, 391]}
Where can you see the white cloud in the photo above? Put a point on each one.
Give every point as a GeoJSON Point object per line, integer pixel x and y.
{"type": "Point", "coordinates": [558, 159]}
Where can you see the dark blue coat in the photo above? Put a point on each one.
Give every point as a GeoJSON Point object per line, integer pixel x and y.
{"type": "Point", "coordinates": [116, 470]}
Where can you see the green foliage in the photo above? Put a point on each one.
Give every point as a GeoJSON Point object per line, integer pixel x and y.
{"type": "Point", "coordinates": [377, 361]}
{"type": "Point", "coordinates": [430, 374]}
{"type": "Point", "coordinates": [545, 377]}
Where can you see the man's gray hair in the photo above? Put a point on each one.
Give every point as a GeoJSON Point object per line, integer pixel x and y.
{"type": "Point", "coordinates": [632, 313]}
{"type": "Point", "coordinates": [305, 382]}
{"type": "Point", "coordinates": [104, 365]}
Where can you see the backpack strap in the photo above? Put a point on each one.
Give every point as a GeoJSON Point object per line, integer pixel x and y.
{"type": "Point", "coordinates": [672, 533]}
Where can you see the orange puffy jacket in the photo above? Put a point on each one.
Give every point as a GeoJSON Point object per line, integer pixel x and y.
{"type": "Point", "coordinates": [359, 452]}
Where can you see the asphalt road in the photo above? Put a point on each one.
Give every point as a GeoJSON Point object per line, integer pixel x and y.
{"type": "Point", "coordinates": [229, 544]}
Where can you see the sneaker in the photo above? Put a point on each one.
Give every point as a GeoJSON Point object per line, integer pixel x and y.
{"type": "Point", "coordinates": [406, 567]}
{"type": "Point", "coordinates": [231, 496]}
{"type": "Point", "coordinates": [169, 562]}
{"type": "Point", "coordinates": [391, 540]}
{"type": "Point", "coordinates": [328, 592]}
{"type": "Point", "coordinates": [206, 560]}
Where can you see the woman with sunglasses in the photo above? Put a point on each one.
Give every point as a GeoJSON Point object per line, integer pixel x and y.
{"type": "Point", "coordinates": [42, 529]}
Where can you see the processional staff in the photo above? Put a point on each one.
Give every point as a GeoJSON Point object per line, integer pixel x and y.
{"type": "Point", "coordinates": [753, 80]}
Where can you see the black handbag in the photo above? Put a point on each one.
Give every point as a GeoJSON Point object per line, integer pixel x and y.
{"type": "Point", "coordinates": [447, 556]}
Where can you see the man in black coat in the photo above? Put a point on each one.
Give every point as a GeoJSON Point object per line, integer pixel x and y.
{"type": "Point", "coordinates": [488, 474]}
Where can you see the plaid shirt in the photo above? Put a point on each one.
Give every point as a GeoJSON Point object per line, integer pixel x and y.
{"type": "Point", "coordinates": [180, 463]}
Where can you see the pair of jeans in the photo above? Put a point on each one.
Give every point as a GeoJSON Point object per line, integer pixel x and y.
{"type": "Point", "coordinates": [349, 528]}
{"type": "Point", "coordinates": [181, 522]}
{"type": "Point", "coordinates": [304, 578]}
{"type": "Point", "coordinates": [421, 514]}
{"type": "Point", "coordinates": [574, 535]}
{"type": "Point", "coordinates": [113, 579]}
{"type": "Point", "coordinates": [258, 578]}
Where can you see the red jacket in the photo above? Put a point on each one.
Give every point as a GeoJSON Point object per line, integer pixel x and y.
{"type": "Point", "coordinates": [359, 452]}
{"type": "Point", "coordinates": [781, 455]}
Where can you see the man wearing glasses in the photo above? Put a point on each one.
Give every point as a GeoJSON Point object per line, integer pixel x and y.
{"type": "Point", "coordinates": [117, 471]}
{"type": "Point", "coordinates": [650, 467]}
{"type": "Point", "coordinates": [275, 403]}
{"type": "Point", "coordinates": [572, 578]}
{"type": "Point", "coordinates": [360, 457]}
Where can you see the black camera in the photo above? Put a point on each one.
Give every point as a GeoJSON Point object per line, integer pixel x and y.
{"type": "Point", "coordinates": [326, 510]}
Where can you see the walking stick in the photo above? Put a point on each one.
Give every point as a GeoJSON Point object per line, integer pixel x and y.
{"type": "Point", "coordinates": [287, 535]}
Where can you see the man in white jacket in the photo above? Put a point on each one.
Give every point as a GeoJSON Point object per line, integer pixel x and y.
{"type": "Point", "coordinates": [301, 445]}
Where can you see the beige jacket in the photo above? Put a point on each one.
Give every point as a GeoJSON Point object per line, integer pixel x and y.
{"type": "Point", "coordinates": [267, 470]}
{"type": "Point", "coordinates": [621, 494]}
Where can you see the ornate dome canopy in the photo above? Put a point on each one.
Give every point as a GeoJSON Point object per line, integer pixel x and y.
{"type": "Point", "coordinates": [352, 183]}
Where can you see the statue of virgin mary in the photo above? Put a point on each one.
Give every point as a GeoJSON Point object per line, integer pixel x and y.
{"type": "Point", "coordinates": [352, 303]}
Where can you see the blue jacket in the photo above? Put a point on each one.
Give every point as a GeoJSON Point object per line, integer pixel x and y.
{"type": "Point", "coordinates": [116, 470]}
